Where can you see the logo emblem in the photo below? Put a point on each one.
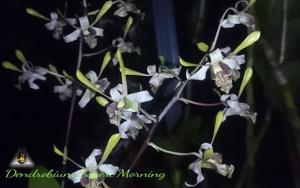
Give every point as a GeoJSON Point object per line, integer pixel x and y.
{"type": "Point", "coordinates": [21, 160]}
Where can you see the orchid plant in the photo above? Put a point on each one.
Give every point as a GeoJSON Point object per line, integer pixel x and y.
{"type": "Point", "coordinates": [124, 105]}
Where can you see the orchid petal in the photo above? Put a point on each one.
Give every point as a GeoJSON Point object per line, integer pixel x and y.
{"type": "Point", "coordinates": [76, 176]}
{"type": "Point", "coordinates": [199, 75]}
{"type": "Point", "coordinates": [51, 25]}
{"type": "Point", "coordinates": [108, 169]}
{"type": "Point", "coordinates": [227, 24]}
{"type": "Point", "coordinates": [90, 162]}
{"type": "Point", "coordinates": [98, 31]}
{"type": "Point", "coordinates": [84, 22]}
{"type": "Point", "coordinates": [87, 96]}
{"type": "Point", "coordinates": [92, 76]}
{"type": "Point", "coordinates": [140, 97]}
{"type": "Point", "coordinates": [115, 92]}
{"type": "Point", "coordinates": [151, 69]}
{"type": "Point", "coordinates": [72, 36]}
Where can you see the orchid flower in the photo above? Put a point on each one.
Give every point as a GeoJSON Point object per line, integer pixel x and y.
{"type": "Point", "coordinates": [206, 158]}
{"type": "Point", "coordinates": [65, 90]}
{"type": "Point", "coordinates": [88, 32]}
{"type": "Point", "coordinates": [125, 8]}
{"type": "Point", "coordinates": [224, 68]}
{"type": "Point", "coordinates": [122, 103]}
{"type": "Point", "coordinates": [134, 122]}
{"type": "Point", "coordinates": [30, 74]}
{"type": "Point", "coordinates": [56, 24]}
{"type": "Point", "coordinates": [88, 94]}
{"type": "Point", "coordinates": [234, 107]}
{"type": "Point", "coordinates": [158, 77]}
{"type": "Point", "coordinates": [238, 18]}
{"type": "Point", "coordinates": [91, 173]}
{"type": "Point", "coordinates": [209, 160]}
{"type": "Point", "coordinates": [125, 47]}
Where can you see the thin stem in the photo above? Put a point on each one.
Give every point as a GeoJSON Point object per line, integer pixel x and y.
{"type": "Point", "coordinates": [219, 28]}
{"type": "Point", "coordinates": [157, 148]}
{"type": "Point", "coordinates": [173, 101]}
{"type": "Point", "coordinates": [97, 53]}
{"type": "Point", "coordinates": [71, 112]}
{"type": "Point", "coordinates": [54, 74]}
{"type": "Point", "coordinates": [284, 31]}
{"type": "Point", "coordinates": [187, 101]}
{"type": "Point", "coordinates": [149, 116]}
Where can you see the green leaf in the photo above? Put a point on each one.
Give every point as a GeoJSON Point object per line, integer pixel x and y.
{"type": "Point", "coordinates": [105, 62]}
{"type": "Point", "coordinates": [130, 72]}
{"type": "Point", "coordinates": [85, 81]}
{"type": "Point", "coordinates": [202, 46]}
{"type": "Point", "coordinates": [107, 5]}
{"type": "Point", "coordinates": [251, 2]}
{"type": "Point", "coordinates": [35, 13]}
{"type": "Point", "coordinates": [102, 101]}
{"type": "Point", "coordinates": [58, 152]}
{"type": "Point", "coordinates": [161, 59]}
{"type": "Point", "coordinates": [20, 56]}
{"type": "Point", "coordinates": [128, 25]}
{"type": "Point", "coordinates": [67, 75]}
{"type": "Point", "coordinates": [250, 39]}
{"type": "Point", "coordinates": [112, 142]}
{"type": "Point", "coordinates": [10, 66]}
{"type": "Point", "coordinates": [218, 122]}
{"type": "Point", "coordinates": [247, 76]}
{"type": "Point", "coordinates": [46, 182]}
{"type": "Point", "coordinates": [53, 69]}
{"type": "Point", "coordinates": [122, 70]}
{"type": "Point", "coordinates": [186, 64]}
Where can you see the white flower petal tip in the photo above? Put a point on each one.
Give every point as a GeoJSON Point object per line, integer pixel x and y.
{"type": "Point", "coordinates": [239, 18]}
{"type": "Point", "coordinates": [206, 146]}
{"type": "Point", "coordinates": [76, 176]}
{"type": "Point", "coordinates": [234, 107]}
{"type": "Point", "coordinates": [108, 169]}
{"type": "Point", "coordinates": [90, 162]}
{"type": "Point", "coordinates": [199, 75]}
{"type": "Point", "coordinates": [140, 97]}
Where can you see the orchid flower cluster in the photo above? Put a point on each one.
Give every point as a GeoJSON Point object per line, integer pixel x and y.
{"type": "Point", "coordinates": [124, 108]}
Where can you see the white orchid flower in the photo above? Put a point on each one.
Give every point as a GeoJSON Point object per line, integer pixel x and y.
{"type": "Point", "coordinates": [159, 76]}
{"type": "Point", "coordinates": [122, 103]}
{"type": "Point", "coordinates": [206, 158]}
{"type": "Point", "coordinates": [134, 98]}
{"type": "Point", "coordinates": [91, 173]}
{"type": "Point", "coordinates": [88, 32]}
{"type": "Point", "coordinates": [125, 8]}
{"type": "Point", "coordinates": [125, 47]}
{"type": "Point", "coordinates": [234, 107]}
{"type": "Point", "coordinates": [209, 160]}
{"type": "Point", "coordinates": [56, 24]}
{"type": "Point", "coordinates": [132, 124]}
{"type": "Point", "coordinates": [65, 90]}
{"type": "Point", "coordinates": [224, 68]}
{"type": "Point", "coordinates": [239, 18]}
{"type": "Point", "coordinates": [31, 73]}
{"type": "Point", "coordinates": [88, 94]}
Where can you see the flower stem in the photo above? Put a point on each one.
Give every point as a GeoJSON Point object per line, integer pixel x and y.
{"type": "Point", "coordinates": [98, 52]}
{"type": "Point", "coordinates": [173, 152]}
{"type": "Point", "coordinates": [71, 112]}
{"type": "Point", "coordinates": [187, 101]}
